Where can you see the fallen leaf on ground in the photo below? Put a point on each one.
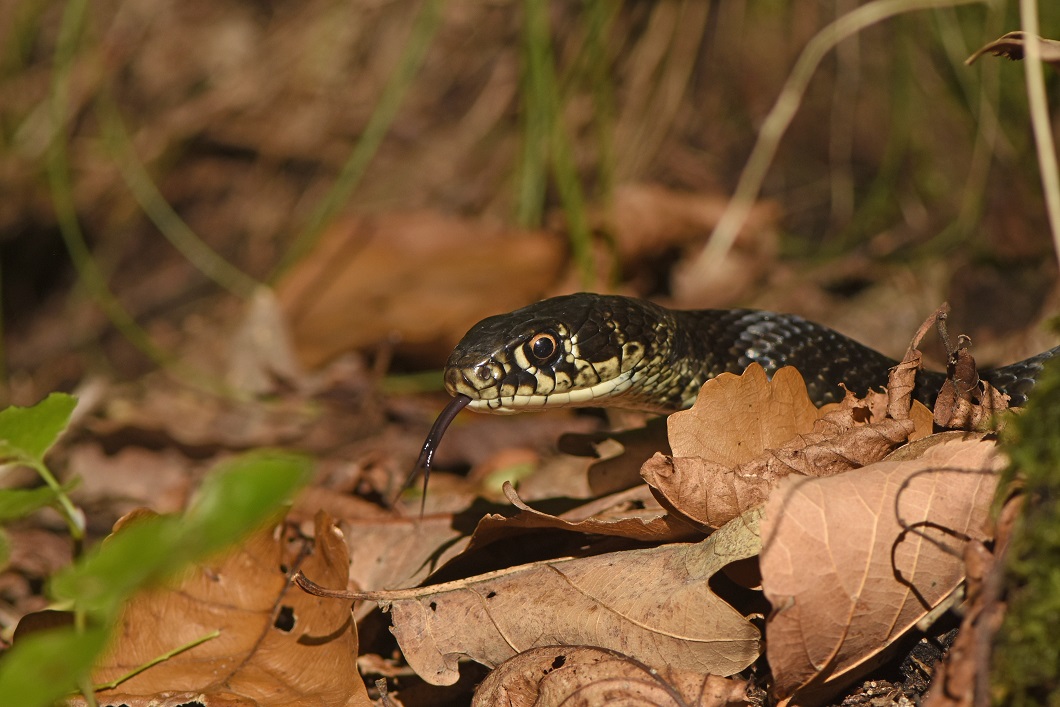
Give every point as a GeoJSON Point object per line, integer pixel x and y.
{"type": "Point", "coordinates": [277, 644]}
{"type": "Point", "coordinates": [586, 675]}
{"type": "Point", "coordinates": [852, 562]}
{"type": "Point", "coordinates": [618, 455]}
{"type": "Point", "coordinates": [647, 219]}
{"type": "Point", "coordinates": [638, 516]}
{"type": "Point", "coordinates": [654, 605]}
{"type": "Point", "coordinates": [166, 412]}
{"type": "Point", "coordinates": [397, 553]}
{"type": "Point", "coordinates": [342, 295]}
{"type": "Point", "coordinates": [260, 350]}
{"type": "Point", "coordinates": [737, 417]}
{"type": "Point", "coordinates": [650, 220]}
{"type": "Point", "coordinates": [131, 478]}
{"type": "Point", "coordinates": [716, 474]}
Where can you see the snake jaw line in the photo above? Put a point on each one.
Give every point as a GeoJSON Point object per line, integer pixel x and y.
{"type": "Point", "coordinates": [513, 404]}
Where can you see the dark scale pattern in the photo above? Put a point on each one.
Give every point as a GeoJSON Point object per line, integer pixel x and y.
{"type": "Point", "coordinates": [732, 339]}
{"type": "Point", "coordinates": [672, 353]}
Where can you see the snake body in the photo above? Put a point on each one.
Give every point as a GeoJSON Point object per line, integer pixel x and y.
{"type": "Point", "coordinates": [605, 350]}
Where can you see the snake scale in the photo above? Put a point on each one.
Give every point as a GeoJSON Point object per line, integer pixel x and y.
{"type": "Point", "coordinates": [610, 351]}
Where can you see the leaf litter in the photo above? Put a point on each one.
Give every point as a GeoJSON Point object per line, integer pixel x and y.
{"type": "Point", "coordinates": [915, 514]}
{"type": "Point", "coordinates": [599, 601]}
{"type": "Point", "coordinates": [197, 428]}
{"type": "Point", "coordinates": [649, 586]}
{"type": "Point", "coordinates": [275, 645]}
{"type": "Point", "coordinates": [591, 675]}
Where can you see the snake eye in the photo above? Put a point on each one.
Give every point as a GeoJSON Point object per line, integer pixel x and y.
{"type": "Point", "coordinates": [542, 346]}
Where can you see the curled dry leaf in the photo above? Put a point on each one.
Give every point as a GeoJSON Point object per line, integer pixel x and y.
{"type": "Point", "coordinates": [639, 517]}
{"type": "Point", "coordinates": [902, 379]}
{"type": "Point", "coordinates": [654, 605]}
{"type": "Point", "coordinates": [966, 401]}
{"type": "Point", "coordinates": [261, 351]}
{"type": "Point", "coordinates": [901, 382]}
{"type": "Point", "coordinates": [586, 675]}
{"type": "Point", "coordinates": [1011, 46]}
{"type": "Point", "coordinates": [851, 562]}
{"type": "Point", "coordinates": [717, 474]}
{"type": "Point", "coordinates": [277, 644]}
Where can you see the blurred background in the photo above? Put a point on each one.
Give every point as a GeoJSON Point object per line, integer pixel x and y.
{"type": "Point", "coordinates": [235, 224]}
{"type": "Point", "coordinates": [393, 171]}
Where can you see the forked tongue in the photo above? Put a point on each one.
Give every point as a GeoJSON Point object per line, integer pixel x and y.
{"type": "Point", "coordinates": [430, 445]}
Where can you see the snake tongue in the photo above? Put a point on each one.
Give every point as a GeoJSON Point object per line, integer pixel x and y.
{"type": "Point", "coordinates": [430, 445]}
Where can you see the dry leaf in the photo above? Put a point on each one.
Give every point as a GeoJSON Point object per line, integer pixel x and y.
{"type": "Point", "coordinates": [735, 418]}
{"type": "Point", "coordinates": [852, 562]}
{"type": "Point", "coordinates": [278, 645]}
{"type": "Point", "coordinates": [648, 219]}
{"type": "Point", "coordinates": [965, 401]}
{"type": "Point", "coordinates": [618, 455]}
{"type": "Point", "coordinates": [132, 477]}
{"type": "Point", "coordinates": [1011, 46]}
{"type": "Point", "coordinates": [376, 279]}
{"type": "Point", "coordinates": [717, 475]}
{"type": "Point", "coordinates": [168, 412]}
{"type": "Point", "coordinates": [654, 605]}
{"type": "Point", "coordinates": [638, 517]}
{"type": "Point", "coordinates": [586, 675]}
{"type": "Point", "coordinates": [261, 351]}
{"type": "Point", "coordinates": [396, 553]}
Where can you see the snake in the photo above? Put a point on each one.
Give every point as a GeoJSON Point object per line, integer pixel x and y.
{"type": "Point", "coordinates": [601, 350]}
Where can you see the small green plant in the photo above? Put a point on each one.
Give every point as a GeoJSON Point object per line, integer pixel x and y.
{"type": "Point", "coordinates": [26, 435]}
{"type": "Point", "coordinates": [238, 497]}
{"type": "Point", "coordinates": [1026, 654]}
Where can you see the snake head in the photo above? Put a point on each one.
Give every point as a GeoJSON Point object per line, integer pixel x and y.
{"type": "Point", "coordinates": [573, 350]}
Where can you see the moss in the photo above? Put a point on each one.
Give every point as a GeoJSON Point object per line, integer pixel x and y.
{"type": "Point", "coordinates": [1026, 668]}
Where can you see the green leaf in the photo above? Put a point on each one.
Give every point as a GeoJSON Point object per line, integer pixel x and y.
{"type": "Point", "coordinates": [28, 433]}
{"type": "Point", "coordinates": [17, 503]}
{"type": "Point", "coordinates": [241, 494]}
{"type": "Point", "coordinates": [143, 551]}
{"type": "Point", "coordinates": [43, 667]}
{"type": "Point", "coordinates": [235, 500]}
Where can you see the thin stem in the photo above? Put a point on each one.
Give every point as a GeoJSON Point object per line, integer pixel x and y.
{"type": "Point", "coordinates": [161, 213]}
{"type": "Point", "coordinates": [541, 71]}
{"type": "Point", "coordinates": [1043, 135]}
{"type": "Point", "coordinates": [62, 188]}
{"type": "Point", "coordinates": [423, 31]}
{"type": "Point", "coordinates": [58, 169]}
{"type": "Point", "coordinates": [84, 684]}
{"type": "Point", "coordinates": [780, 117]}
{"type": "Point", "coordinates": [533, 166]}
{"type": "Point", "coordinates": [155, 661]}
{"type": "Point", "coordinates": [74, 517]}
